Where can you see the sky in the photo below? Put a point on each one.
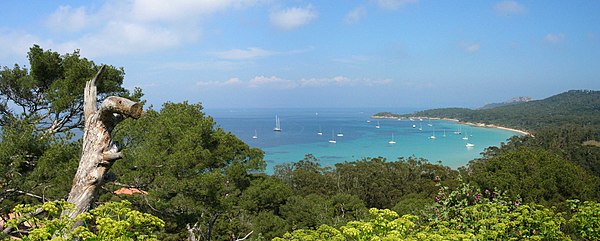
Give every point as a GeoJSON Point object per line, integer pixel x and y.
{"type": "Point", "coordinates": [296, 53]}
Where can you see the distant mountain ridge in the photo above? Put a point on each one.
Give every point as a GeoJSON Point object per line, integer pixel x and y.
{"type": "Point", "coordinates": [512, 101]}
{"type": "Point", "coordinates": [574, 107]}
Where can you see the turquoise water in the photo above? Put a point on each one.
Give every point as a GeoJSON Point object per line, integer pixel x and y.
{"type": "Point", "coordinates": [360, 137]}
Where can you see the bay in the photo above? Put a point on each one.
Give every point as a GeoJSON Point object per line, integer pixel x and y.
{"type": "Point", "coordinates": [361, 138]}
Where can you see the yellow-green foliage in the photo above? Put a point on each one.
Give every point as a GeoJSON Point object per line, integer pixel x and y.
{"type": "Point", "coordinates": [491, 221]}
{"type": "Point", "coordinates": [586, 220]}
{"type": "Point", "coordinates": [109, 221]}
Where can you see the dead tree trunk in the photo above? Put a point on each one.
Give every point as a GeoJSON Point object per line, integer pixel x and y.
{"type": "Point", "coordinates": [99, 151]}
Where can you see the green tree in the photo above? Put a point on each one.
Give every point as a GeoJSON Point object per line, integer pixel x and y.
{"type": "Point", "coordinates": [193, 171]}
{"type": "Point", "coordinates": [40, 106]}
{"type": "Point", "coordinates": [109, 221]}
{"type": "Point", "coordinates": [534, 174]}
{"type": "Point", "coordinates": [50, 94]}
{"type": "Point", "coordinates": [306, 176]}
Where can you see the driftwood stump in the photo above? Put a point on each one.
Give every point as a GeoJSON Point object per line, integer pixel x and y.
{"type": "Point", "coordinates": [99, 151]}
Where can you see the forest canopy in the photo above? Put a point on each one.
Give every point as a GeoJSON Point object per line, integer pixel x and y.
{"type": "Point", "coordinates": [197, 181]}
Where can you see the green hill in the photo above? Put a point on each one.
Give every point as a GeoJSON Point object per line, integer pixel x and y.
{"type": "Point", "coordinates": [575, 107]}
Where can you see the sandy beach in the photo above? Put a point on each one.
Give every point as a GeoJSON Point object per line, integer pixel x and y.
{"type": "Point", "coordinates": [522, 132]}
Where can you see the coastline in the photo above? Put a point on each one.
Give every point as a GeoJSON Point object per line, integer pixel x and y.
{"type": "Point", "coordinates": [522, 132]}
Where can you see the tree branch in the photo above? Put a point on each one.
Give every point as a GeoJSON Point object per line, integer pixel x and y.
{"type": "Point", "coordinates": [89, 95]}
{"type": "Point", "coordinates": [245, 237]}
{"type": "Point", "coordinates": [120, 105]}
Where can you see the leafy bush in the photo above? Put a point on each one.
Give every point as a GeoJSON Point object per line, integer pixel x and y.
{"type": "Point", "coordinates": [109, 221]}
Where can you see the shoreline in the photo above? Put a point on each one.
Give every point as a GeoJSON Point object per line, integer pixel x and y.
{"type": "Point", "coordinates": [522, 132]}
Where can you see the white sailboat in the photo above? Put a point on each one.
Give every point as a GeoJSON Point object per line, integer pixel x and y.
{"type": "Point", "coordinates": [420, 126]}
{"type": "Point", "coordinates": [432, 134]}
{"type": "Point", "coordinates": [469, 145]}
{"type": "Point", "coordinates": [320, 133]}
{"type": "Point", "coordinates": [277, 124]}
{"type": "Point", "coordinates": [255, 136]}
{"type": "Point", "coordinates": [458, 132]}
{"type": "Point", "coordinates": [466, 137]}
{"type": "Point", "coordinates": [377, 126]}
{"type": "Point", "coordinates": [332, 140]}
{"type": "Point", "coordinates": [340, 134]}
{"type": "Point", "coordinates": [392, 141]}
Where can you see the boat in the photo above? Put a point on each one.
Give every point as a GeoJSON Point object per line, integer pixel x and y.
{"type": "Point", "coordinates": [466, 137]}
{"type": "Point", "coordinates": [392, 141]}
{"type": "Point", "coordinates": [414, 126]}
{"type": "Point", "coordinates": [432, 135]}
{"type": "Point", "coordinates": [420, 127]}
{"type": "Point", "coordinates": [340, 134]}
{"type": "Point", "coordinates": [277, 124]}
{"type": "Point", "coordinates": [429, 124]}
{"type": "Point", "coordinates": [332, 140]}
{"type": "Point", "coordinates": [368, 121]}
{"type": "Point", "coordinates": [469, 145]}
{"type": "Point", "coordinates": [377, 126]}
{"type": "Point", "coordinates": [320, 133]}
{"type": "Point", "coordinates": [255, 136]}
{"type": "Point", "coordinates": [444, 133]}
{"type": "Point", "coordinates": [458, 132]}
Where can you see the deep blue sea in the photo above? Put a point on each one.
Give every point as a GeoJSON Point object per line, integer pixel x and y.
{"type": "Point", "coordinates": [360, 137]}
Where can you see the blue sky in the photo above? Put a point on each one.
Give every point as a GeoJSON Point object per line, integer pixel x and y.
{"type": "Point", "coordinates": [351, 53]}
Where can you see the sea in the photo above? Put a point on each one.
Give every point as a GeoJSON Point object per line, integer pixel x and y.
{"type": "Point", "coordinates": [356, 134]}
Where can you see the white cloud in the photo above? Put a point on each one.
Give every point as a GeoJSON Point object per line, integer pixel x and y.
{"type": "Point", "coordinates": [67, 18]}
{"type": "Point", "coordinates": [509, 8]}
{"type": "Point", "coordinates": [314, 82]}
{"type": "Point", "coordinates": [254, 53]}
{"type": "Point", "coordinates": [200, 66]}
{"type": "Point", "coordinates": [554, 38]}
{"type": "Point", "coordinates": [470, 47]}
{"type": "Point", "coordinates": [124, 27]}
{"type": "Point", "coordinates": [241, 54]}
{"type": "Point", "coordinates": [276, 82]}
{"type": "Point", "coordinates": [292, 18]}
{"type": "Point", "coordinates": [176, 10]}
{"type": "Point", "coordinates": [272, 81]}
{"type": "Point", "coordinates": [355, 15]}
{"type": "Point", "coordinates": [122, 37]}
{"type": "Point", "coordinates": [394, 4]}
{"type": "Point", "coordinates": [14, 45]}
{"type": "Point", "coordinates": [229, 82]}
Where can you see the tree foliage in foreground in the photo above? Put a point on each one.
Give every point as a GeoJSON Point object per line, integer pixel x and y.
{"type": "Point", "coordinates": [109, 221]}
{"type": "Point", "coordinates": [50, 93]}
{"type": "Point", "coordinates": [194, 171]}
{"type": "Point", "coordinates": [464, 213]}
{"type": "Point", "coordinates": [536, 175]}
{"type": "Point", "coordinates": [40, 106]}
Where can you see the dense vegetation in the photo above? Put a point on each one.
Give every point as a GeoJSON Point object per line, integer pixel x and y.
{"type": "Point", "coordinates": [200, 182]}
{"type": "Point", "coordinates": [573, 108]}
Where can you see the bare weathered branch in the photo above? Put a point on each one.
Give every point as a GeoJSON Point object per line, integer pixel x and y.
{"type": "Point", "coordinates": [89, 95]}
{"type": "Point", "coordinates": [111, 156]}
{"type": "Point", "coordinates": [99, 151]}
{"type": "Point", "coordinates": [245, 237]}
{"type": "Point", "coordinates": [120, 105]}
